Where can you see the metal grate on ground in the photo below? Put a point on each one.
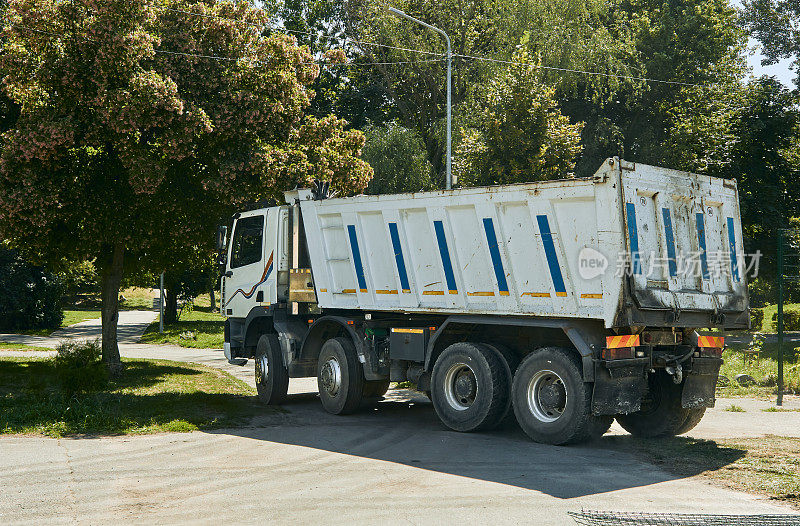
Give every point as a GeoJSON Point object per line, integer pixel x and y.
{"type": "Point", "coordinates": [609, 518]}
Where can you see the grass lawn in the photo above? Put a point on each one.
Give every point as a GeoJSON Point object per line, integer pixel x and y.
{"type": "Point", "coordinates": [200, 330]}
{"type": "Point", "coordinates": [766, 465]}
{"type": "Point", "coordinates": [20, 347]}
{"type": "Point", "coordinates": [151, 396]}
{"type": "Point", "coordinates": [766, 367]}
{"type": "Point", "coordinates": [137, 298]}
{"type": "Point", "coordinates": [768, 325]}
{"type": "Point", "coordinates": [71, 317]}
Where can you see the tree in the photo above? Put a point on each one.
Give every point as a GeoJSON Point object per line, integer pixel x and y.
{"type": "Point", "coordinates": [415, 82]}
{"type": "Point", "coordinates": [521, 134]}
{"type": "Point", "coordinates": [193, 274]}
{"type": "Point", "coordinates": [398, 158]}
{"type": "Point", "coordinates": [766, 163]}
{"type": "Point", "coordinates": [31, 297]}
{"type": "Point", "coordinates": [776, 24]}
{"type": "Point", "coordinates": [678, 44]}
{"type": "Point", "coordinates": [142, 125]}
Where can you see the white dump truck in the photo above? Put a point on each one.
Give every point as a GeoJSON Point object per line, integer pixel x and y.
{"type": "Point", "coordinates": [569, 302]}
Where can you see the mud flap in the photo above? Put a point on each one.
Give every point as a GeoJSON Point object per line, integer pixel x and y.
{"type": "Point", "coordinates": [701, 383]}
{"type": "Point", "coordinates": [619, 386]}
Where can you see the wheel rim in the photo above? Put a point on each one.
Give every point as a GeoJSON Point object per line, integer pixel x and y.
{"type": "Point", "coordinates": [331, 376]}
{"type": "Point", "coordinates": [460, 386]}
{"type": "Point", "coordinates": [262, 369]}
{"type": "Point", "coordinates": [547, 396]}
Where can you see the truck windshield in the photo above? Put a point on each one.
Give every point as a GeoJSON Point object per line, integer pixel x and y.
{"type": "Point", "coordinates": [246, 244]}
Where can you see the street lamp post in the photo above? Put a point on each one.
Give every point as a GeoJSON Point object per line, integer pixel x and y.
{"type": "Point", "coordinates": [449, 173]}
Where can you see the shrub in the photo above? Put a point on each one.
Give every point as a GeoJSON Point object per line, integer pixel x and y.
{"type": "Point", "coordinates": [756, 319]}
{"type": "Point", "coordinates": [761, 292]}
{"type": "Point", "coordinates": [791, 320]}
{"type": "Point", "coordinates": [78, 366]}
{"type": "Point", "coordinates": [78, 277]}
{"type": "Point", "coordinates": [31, 296]}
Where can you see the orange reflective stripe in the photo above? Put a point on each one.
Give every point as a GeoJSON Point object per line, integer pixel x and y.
{"type": "Point", "coordinates": [628, 340]}
{"type": "Point", "coordinates": [714, 342]}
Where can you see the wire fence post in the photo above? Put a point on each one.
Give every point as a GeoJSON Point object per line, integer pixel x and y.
{"type": "Point", "coordinates": [161, 305]}
{"type": "Point", "coordinates": [780, 317]}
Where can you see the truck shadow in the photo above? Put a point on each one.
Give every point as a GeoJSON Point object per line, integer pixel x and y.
{"type": "Point", "coordinates": [407, 431]}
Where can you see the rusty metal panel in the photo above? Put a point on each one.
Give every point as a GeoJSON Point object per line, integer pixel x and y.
{"type": "Point", "coordinates": [685, 242]}
{"type": "Point", "coordinates": [301, 286]}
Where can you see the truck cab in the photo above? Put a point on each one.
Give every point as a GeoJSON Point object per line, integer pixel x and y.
{"type": "Point", "coordinates": [255, 272]}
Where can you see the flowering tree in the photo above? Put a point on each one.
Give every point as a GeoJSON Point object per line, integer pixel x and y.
{"type": "Point", "coordinates": [143, 122]}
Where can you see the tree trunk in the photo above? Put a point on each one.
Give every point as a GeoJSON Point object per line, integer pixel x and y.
{"type": "Point", "coordinates": [111, 277]}
{"type": "Point", "coordinates": [170, 306]}
{"type": "Point", "coordinates": [213, 299]}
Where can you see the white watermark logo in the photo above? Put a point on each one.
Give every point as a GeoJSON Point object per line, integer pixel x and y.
{"type": "Point", "coordinates": [591, 263]}
{"type": "Point", "coordinates": [696, 264]}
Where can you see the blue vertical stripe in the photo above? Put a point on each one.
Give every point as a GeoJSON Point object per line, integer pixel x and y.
{"type": "Point", "coordinates": [732, 249]}
{"type": "Point", "coordinates": [550, 253]}
{"type": "Point", "coordinates": [633, 237]}
{"type": "Point", "coordinates": [701, 240]}
{"type": "Point", "coordinates": [398, 257]}
{"type": "Point", "coordinates": [445, 253]}
{"type": "Point", "coordinates": [362, 282]}
{"type": "Point", "coordinates": [673, 262]}
{"type": "Point", "coordinates": [494, 251]}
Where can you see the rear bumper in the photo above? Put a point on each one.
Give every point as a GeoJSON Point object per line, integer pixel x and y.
{"type": "Point", "coordinates": [620, 384]}
{"type": "Point", "coordinates": [632, 315]}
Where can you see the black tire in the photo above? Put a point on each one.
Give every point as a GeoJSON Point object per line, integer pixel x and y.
{"type": "Point", "coordinates": [695, 415]}
{"type": "Point", "coordinates": [375, 388]}
{"type": "Point", "coordinates": [511, 361]}
{"type": "Point", "coordinates": [661, 413]}
{"type": "Point", "coordinates": [272, 378]}
{"type": "Point", "coordinates": [559, 408]}
{"type": "Point", "coordinates": [470, 387]}
{"type": "Point", "coordinates": [340, 392]}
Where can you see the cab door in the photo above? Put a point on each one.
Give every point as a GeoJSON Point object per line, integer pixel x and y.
{"type": "Point", "coordinates": [248, 269]}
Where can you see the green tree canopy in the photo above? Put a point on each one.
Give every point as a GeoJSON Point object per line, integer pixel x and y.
{"type": "Point", "coordinates": [521, 134]}
{"type": "Point", "coordinates": [765, 161]}
{"type": "Point", "coordinates": [142, 125]}
{"type": "Point", "coordinates": [398, 157]}
{"type": "Point", "coordinates": [776, 24]}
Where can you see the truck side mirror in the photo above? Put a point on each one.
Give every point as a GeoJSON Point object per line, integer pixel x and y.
{"type": "Point", "coordinates": [222, 238]}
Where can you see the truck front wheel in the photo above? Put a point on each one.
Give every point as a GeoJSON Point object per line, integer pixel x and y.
{"type": "Point", "coordinates": [661, 413]}
{"type": "Point", "coordinates": [339, 376]}
{"type": "Point", "coordinates": [551, 401]}
{"type": "Point", "coordinates": [272, 379]}
{"type": "Point", "coordinates": [470, 387]}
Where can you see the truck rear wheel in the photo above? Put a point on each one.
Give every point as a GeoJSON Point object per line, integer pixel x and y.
{"type": "Point", "coordinates": [511, 361]}
{"type": "Point", "coordinates": [551, 401]}
{"type": "Point", "coordinates": [695, 415]}
{"type": "Point", "coordinates": [470, 387]}
{"type": "Point", "coordinates": [339, 377]}
{"type": "Point", "coordinates": [272, 378]}
{"type": "Point", "coordinates": [661, 413]}
{"type": "Point", "coordinates": [375, 388]}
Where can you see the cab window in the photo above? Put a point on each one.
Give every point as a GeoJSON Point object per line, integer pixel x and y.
{"type": "Point", "coordinates": [247, 241]}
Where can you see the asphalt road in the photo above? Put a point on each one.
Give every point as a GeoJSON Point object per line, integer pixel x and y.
{"type": "Point", "coordinates": [395, 463]}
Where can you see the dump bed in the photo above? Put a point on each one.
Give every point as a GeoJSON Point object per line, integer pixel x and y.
{"type": "Point", "coordinates": [633, 245]}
